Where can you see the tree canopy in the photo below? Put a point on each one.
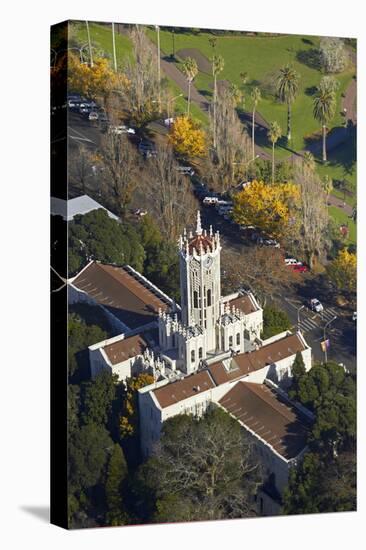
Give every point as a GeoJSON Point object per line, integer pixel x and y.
{"type": "Point", "coordinates": [187, 138]}
{"type": "Point", "coordinates": [342, 271]}
{"type": "Point", "coordinates": [81, 336]}
{"type": "Point", "coordinates": [274, 321]}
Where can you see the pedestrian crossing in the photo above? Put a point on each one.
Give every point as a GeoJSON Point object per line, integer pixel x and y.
{"type": "Point", "coordinates": [310, 320]}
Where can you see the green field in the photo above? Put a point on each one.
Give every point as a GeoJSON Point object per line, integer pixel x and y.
{"type": "Point", "coordinates": [340, 217]}
{"type": "Point", "coordinates": [261, 57]}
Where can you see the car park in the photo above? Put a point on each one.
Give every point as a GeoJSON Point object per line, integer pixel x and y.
{"type": "Point", "coordinates": [315, 305]}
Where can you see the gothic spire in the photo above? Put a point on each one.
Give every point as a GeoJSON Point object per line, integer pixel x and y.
{"type": "Point", "coordinates": [198, 227]}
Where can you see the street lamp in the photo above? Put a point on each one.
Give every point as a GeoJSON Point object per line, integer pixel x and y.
{"type": "Point", "coordinates": [298, 318]}
{"type": "Point", "coordinates": [158, 36]}
{"type": "Point", "coordinates": [324, 340]}
{"type": "Point", "coordinates": [173, 54]}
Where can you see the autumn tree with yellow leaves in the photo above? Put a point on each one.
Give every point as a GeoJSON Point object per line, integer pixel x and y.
{"type": "Point", "coordinates": [187, 138]}
{"type": "Point", "coordinates": [128, 422]}
{"type": "Point", "coordinates": [95, 81]}
{"type": "Point", "coordinates": [271, 208]}
{"type": "Point", "coordinates": [342, 271]}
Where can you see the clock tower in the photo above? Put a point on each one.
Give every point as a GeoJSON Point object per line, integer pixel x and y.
{"type": "Point", "coordinates": [200, 281]}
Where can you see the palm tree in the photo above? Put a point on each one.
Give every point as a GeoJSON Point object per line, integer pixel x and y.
{"type": "Point", "coordinates": [287, 88]}
{"type": "Point", "coordinates": [309, 160]}
{"type": "Point", "coordinates": [274, 133]}
{"type": "Point", "coordinates": [323, 111]}
{"type": "Point", "coordinates": [89, 44]}
{"type": "Point", "coordinates": [217, 67]}
{"type": "Point", "coordinates": [256, 97]}
{"type": "Point", "coordinates": [190, 70]}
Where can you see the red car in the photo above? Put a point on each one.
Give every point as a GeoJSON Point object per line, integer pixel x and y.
{"type": "Point", "coordinates": [300, 268]}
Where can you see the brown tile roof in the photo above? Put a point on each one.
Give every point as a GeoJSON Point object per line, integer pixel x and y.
{"type": "Point", "coordinates": [244, 303]}
{"type": "Point", "coordinates": [269, 416]}
{"type": "Point", "coordinates": [182, 389]}
{"type": "Point", "coordinates": [244, 363]}
{"type": "Point", "coordinates": [199, 240]}
{"type": "Point", "coordinates": [126, 348]}
{"type": "Point", "coordinates": [121, 293]}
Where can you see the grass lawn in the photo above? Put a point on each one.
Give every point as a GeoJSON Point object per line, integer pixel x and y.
{"type": "Point", "coordinates": [101, 38]}
{"type": "Point", "coordinates": [261, 57]}
{"type": "Point", "coordinates": [340, 217]}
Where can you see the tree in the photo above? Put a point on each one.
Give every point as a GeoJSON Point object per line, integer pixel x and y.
{"type": "Point", "coordinates": [116, 473]}
{"type": "Point", "coordinates": [80, 336]}
{"type": "Point", "coordinates": [297, 370]}
{"type": "Point", "coordinates": [287, 89]}
{"type": "Point", "coordinates": [142, 94]}
{"type": "Point", "coordinates": [121, 169]}
{"type": "Point", "coordinates": [327, 186]}
{"type": "Point", "coordinates": [329, 83]}
{"type": "Point", "coordinates": [162, 268]}
{"type": "Point", "coordinates": [268, 207]}
{"type": "Point", "coordinates": [274, 133]}
{"type": "Point", "coordinates": [256, 97]}
{"type": "Point", "coordinates": [187, 137]}
{"type": "Point", "coordinates": [274, 322]}
{"type": "Point", "coordinates": [333, 55]}
{"type": "Point", "coordinates": [190, 70]}
{"type": "Point", "coordinates": [80, 167]}
{"type": "Point", "coordinates": [264, 272]}
{"type": "Point", "coordinates": [217, 67]}
{"type": "Point", "coordinates": [97, 236]}
{"type": "Point", "coordinates": [129, 416]}
{"type": "Point", "coordinates": [208, 463]}
{"type": "Point", "coordinates": [323, 111]}
{"type": "Point", "coordinates": [318, 485]}
{"type": "Point", "coordinates": [342, 272]}
{"type": "Point", "coordinates": [95, 80]}
{"type": "Point", "coordinates": [97, 398]}
{"type": "Point", "coordinates": [313, 212]}
{"type": "Point", "coordinates": [226, 163]}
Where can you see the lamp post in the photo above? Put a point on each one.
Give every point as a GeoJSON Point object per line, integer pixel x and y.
{"type": "Point", "coordinates": [114, 48]}
{"type": "Point", "coordinates": [324, 340]}
{"type": "Point", "coordinates": [298, 318]}
{"type": "Point", "coordinates": [173, 36]}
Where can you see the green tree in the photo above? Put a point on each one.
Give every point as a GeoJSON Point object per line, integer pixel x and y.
{"type": "Point", "coordinates": [323, 111]}
{"type": "Point", "coordinates": [97, 398]}
{"type": "Point", "coordinates": [96, 236]}
{"type": "Point", "coordinates": [81, 336]}
{"type": "Point", "coordinates": [190, 70]}
{"type": "Point", "coordinates": [342, 272]}
{"type": "Point", "coordinates": [162, 268]}
{"type": "Point", "coordinates": [256, 97]}
{"type": "Point", "coordinates": [274, 133]}
{"type": "Point", "coordinates": [274, 321]}
{"type": "Point", "coordinates": [116, 473]}
{"type": "Point", "coordinates": [287, 88]}
{"type": "Point", "coordinates": [322, 485]}
{"type": "Point", "coordinates": [208, 463]}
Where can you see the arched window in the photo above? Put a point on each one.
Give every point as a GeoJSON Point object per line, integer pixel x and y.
{"type": "Point", "coordinates": [192, 356]}
{"type": "Point", "coordinates": [195, 298]}
{"type": "Point", "coordinates": [230, 341]}
{"type": "Point", "coordinates": [238, 339]}
{"type": "Point", "coordinates": [200, 353]}
{"type": "Point", "coordinates": [209, 297]}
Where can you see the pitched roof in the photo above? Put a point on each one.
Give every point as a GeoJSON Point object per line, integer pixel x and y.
{"type": "Point", "coordinates": [244, 363]}
{"type": "Point", "coordinates": [199, 240]}
{"type": "Point", "coordinates": [182, 389]}
{"type": "Point", "coordinates": [122, 293]}
{"type": "Point", "coordinates": [78, 205]}
{"type": "Point", "coordinates": [244, 303]}
{"type": "Point", "coordinates": [264, 412]}
{"type": "Point", "coordinates": [126, 348]}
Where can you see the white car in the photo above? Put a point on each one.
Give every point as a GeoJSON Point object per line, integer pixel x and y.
{"type": "Point", "coordinates": [186, 170]}
{"type": "Point", "coordinates": [121, 130]}
{"type": "Point", "coordinates": [168, 121]}
{"type": "Point", "coordinates": [93, 115]}
{"type": "Point", "coordinates": [292, 261]}
{"type": "Point", "coordinates": [315, 305]}
{"type": "Point", "coordinates": [210, 200]}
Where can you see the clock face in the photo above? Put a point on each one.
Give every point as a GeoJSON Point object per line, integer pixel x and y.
{"type": "Point", "coordinates": [208, 262]}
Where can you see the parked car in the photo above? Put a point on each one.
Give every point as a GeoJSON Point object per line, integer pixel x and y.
{"type": "Point", "coordinates": [186, 170]}
{"type": "Point", "coordinates": [139, 212]}
{"type": "Point", "coordinates": [291, 261]}
{"type": "Point", "coordinates": [267, 241]}
{"type": "Point", "coordinates": [354, 316]}
{"type": "Point", "coordinates": [300, 268]}
{"type": "Point", "coordinates": [168, 121]}
{"type": "Point", "coordinates": [209, 201]}
{"type": "Point", "coordinates": [122, 129]}
{"type": "Point", "coordinates": [147, 149]}
{"type": "Point", "coordinates": [315, 305]}
{"type": "Point", "coordinates": [93, 115]}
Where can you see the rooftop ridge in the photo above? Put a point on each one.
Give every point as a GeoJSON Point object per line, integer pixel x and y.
{"type": "Point", "coordinates": [256, 388]}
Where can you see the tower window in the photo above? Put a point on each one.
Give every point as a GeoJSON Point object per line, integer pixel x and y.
{"type": "Point", "coordinates": [199, 353]}
{"type": "Point", "coordinates": [195, 298]}
{"type": "Point", "coordinates": [230, 341]}
{"type": "Point", "coordinates": [209, 297]}
{"type": "Point", "coordinates": [192, 356]}
{"type": "Point", "coordinates": [238, 339]}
